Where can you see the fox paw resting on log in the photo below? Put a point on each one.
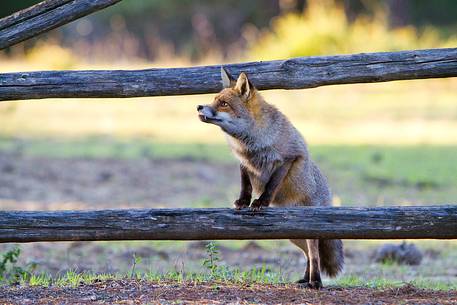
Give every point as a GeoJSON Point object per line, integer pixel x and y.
{"type": "Point", "coordinates": [275, 165]}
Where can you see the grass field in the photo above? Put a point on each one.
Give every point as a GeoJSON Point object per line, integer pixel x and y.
{"type": "Point", "coordinates": [359, 174]}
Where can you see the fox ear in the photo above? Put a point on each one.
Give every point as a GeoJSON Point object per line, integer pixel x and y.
{"type": "Point", "coordinates": [244, 86]}
{"type": "Point", "coordinates": [227, 80]}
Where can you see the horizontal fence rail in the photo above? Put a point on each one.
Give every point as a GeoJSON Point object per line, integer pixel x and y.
{"type": "Point", "coordinates": [45, 16]}
{"type": "Point", "coordinates": [296, 73]}
{"type": "Point", "coordinates": [425, 222]}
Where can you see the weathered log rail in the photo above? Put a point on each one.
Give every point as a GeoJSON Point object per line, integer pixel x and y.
{"type": "Point", "coordinates": [414, 222]}
{"type": "Point", "coordinates": [45, 16]}
{"type": "Point", "coordinates": [296, 73]}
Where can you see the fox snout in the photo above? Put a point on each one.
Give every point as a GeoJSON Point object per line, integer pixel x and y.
{"type": "Point", "coordinates": [206, 113]}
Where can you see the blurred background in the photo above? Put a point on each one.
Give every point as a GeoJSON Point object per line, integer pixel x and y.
{"type": "Point", "coordinates": [379, 144]}
{"type": "Point", "coordinates": [202, 31]}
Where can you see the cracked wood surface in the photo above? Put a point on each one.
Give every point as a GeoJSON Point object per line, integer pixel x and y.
{"type": "Point", "coordinates": [45, 16]}
{"type": "Point", "coordinates": [437, 222]}
{"type": "Point", "coordinates": [295, 73]}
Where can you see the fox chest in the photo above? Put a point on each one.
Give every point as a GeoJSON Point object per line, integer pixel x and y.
{"type": "Point", "coordinates": [260, 165]}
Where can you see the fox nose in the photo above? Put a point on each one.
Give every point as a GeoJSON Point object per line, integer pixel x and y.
{"type": "Point", "coordinates": [199, 107]}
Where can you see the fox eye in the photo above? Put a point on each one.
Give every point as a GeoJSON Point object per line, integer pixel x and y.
{"type": "Point", "coordinates": [223, 104]}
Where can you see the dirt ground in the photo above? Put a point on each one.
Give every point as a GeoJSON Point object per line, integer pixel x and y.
{"type": "Point", "coordinates": [38, 183]}
{"type": "Point", "coordinates": [135, 292]}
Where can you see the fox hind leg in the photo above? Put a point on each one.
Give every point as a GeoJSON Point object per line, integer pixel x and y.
{"type": "Point", "coordinates": [302, 244]}
{"type": "Point", "coordinates": [315, 281]}
{"type": "Point", "coordinates": [305, 279]}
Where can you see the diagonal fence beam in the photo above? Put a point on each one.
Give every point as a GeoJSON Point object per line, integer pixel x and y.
{"type": "Point", "coordinates": [45, 16]}
{"type": "Point", "coordinates": [296, 73]}
{"type": "Point", "coordinates": [413, 222]}
{"type": "Point", "coordinates": [30, 12]}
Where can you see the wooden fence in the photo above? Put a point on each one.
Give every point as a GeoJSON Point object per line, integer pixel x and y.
{"type": "Point", "coordinates": [45, 16]}
{"type": "Point", "coordinates": [296, 73]}
{"type": "Point", "coordinates": [438, 222]}
{"type": "Point", "coordinates": [204, 224]}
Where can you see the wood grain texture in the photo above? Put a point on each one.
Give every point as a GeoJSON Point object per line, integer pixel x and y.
{"type": "Point", "coordinates": [30, 12]}
{"type": "Point", "coordinates": [296, 73]}
{"type": "Point", "coordinates": [45, 16]}
{"type": "Point", "coordinates": [437, 222]}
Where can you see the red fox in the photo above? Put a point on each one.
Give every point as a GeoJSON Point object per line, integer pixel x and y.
{"type": "Point", "coordinates": [275, 165]}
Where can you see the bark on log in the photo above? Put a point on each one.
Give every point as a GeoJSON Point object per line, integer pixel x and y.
{"type": "Point", "coordinates": [296, 73]}
{"type": "Point", "coordinates": [437, 222]}
{"type": "Point", "coordinates": [45, 16]}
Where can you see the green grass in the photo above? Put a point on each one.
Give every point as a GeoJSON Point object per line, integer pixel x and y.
{"type": "Point", "coordinates": [358, 174]}
{"type": "Point", "coordinates": [429, 275]}
{"type": "Point", "coordinates": [43, 280]}
{"type": "Point", "coordinates": [69, 279]}
{"type": "Point", "coordinates": [103, 147]}
{"type": "Point", "coordinates": [423, 166]}
{"type": "Point", "coordinates": [382, 283]}
{"type": "Point", "coordinates": [419, 165]}
{"type": "Point", "coordinates": [213, 271]}
{"type": "Point", "coordinates": [435, 285]}
{"type": "Point", "coordinates": [224, 275]}
{"type": "Point", "coordinates": [229, 276]}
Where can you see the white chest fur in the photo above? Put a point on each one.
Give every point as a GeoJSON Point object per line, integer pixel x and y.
{"type": "Point", "coordinates": [261, 162]}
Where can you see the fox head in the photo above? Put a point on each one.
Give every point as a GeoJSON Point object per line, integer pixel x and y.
{"type": "Point", "coordinates": [235, 108]}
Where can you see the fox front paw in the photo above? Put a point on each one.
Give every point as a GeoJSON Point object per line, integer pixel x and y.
{"type": "Point", "coordinates": [241, 203]}
{"type": "Point", "coordinates": [258, 204]}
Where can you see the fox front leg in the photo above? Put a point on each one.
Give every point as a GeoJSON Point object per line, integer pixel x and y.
{"type": "Point", "coordinates": [272, 186]}
{"type": "Point", "coordinates": [246, 190]}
